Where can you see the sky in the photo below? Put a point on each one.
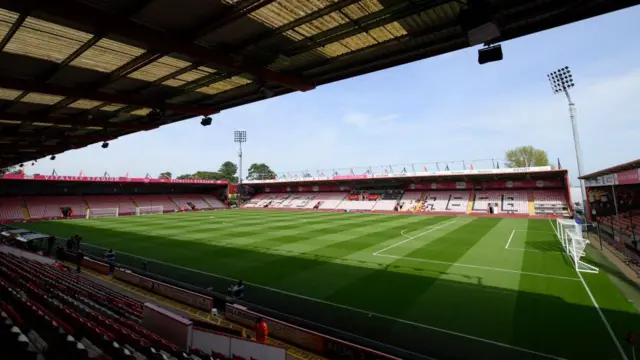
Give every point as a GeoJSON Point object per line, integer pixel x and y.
{"type": "Point", "coordinates": [440, 109]}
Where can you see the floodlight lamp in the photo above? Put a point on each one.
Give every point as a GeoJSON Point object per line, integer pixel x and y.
{"type": "Point", "coordinates": [105, 145]}
{"type": "Point", "coordinates": [53, 157]}
{"type": "Point", "coordinates": [240, 136]}
{"type": "Point", "coordinates": [561, 80]}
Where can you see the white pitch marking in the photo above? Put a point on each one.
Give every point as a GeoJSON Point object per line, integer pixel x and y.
{"type": "Point", "coordinates": [480, 267]}
{"type": "Point", "coordinates": [593, 300]}
{"type": "Point", "coordinates": [510, 237]}
{"type": "Point", "coordinates": [403, 234]}
{"type": "Point", "coordinates": [370, 313]}
{"type": "Point", "coordinates": [413, 237]}
{"type": "Point", "coordinates": [532, 250]}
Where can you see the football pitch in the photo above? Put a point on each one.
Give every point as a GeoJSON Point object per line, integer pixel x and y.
{"type": "Point", "coordinates": [428, 284]}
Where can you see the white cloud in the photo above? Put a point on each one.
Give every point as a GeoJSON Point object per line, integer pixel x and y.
{"type": "Point", "coordinates": [365, 120]}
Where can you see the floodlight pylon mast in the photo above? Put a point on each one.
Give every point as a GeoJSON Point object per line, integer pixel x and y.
{"type": "Point", "coordinates": [239, 137]}
{"type": "Point", "coordinates": [561, 81]}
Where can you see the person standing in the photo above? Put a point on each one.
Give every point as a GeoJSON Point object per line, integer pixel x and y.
{"type": "Point", "coordinates": [110, 256]}
{"type": "Point", "coordinates": [262, 331]}
{"type": "Point", "coordinates": [79, 258]}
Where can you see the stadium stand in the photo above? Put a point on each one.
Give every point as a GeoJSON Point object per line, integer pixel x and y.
{"type": "Point", "coordinates": [65, 316]}
{"type": "Point", "coordinates": [183, 201]}
{"type": "Point", "coordinates": [124, 203]}
{"type": "Point", "coordinates": [509, 202]}
{"type": "Point", "coordinates": [43, 207]}
{"type": "Point", "coordinates": [446, 201]}
{"type": "Point", "coordinates": [11, 208]}
{"type": "Point", "coordinates": [296, 201]}
{"type": "Point", "coordinates": [388, 200]}
{"type": "Point", "coordinates": [167, 204]}
{"type": "Point", "coordinates": [213, 202]}
{"type": "Point", "coordinates": [329, 200]}
{"type": "Point", "coordinates": [410, 200]}
{"type": "Point", "coordinates": [548, 202]}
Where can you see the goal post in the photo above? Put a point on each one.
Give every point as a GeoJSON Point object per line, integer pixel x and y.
{"type": "Point", "coordinates": [569, 233]}
{"type": "Point", "coordinates": [149, 210]}
{"type": "Point", "coordinates": [100, 213]}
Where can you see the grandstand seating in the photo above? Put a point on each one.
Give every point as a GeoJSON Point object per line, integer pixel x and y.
{"type": "Point", "coordinates": [447, 201]}
{"type": "Point", "coordinates": [183, 200]}
{"type": "Point", "coordinates": [410, 200]}
{"type": "Point", "coordinates": [65, 316]}
{"type": "Point", "coordinates": [155, 200]}
{"type": "Point", "coordinates": [122, 202]}
{"type": "Point", "coordinates": [42, 207]}
{"type": "Point", "coordinates": [298, 200]}
{"type": "Point", "coordinates": [548, 202]}
{"type": "Point", "coordinates": [356, 205]}
{"type": "Point", "coordinates": [388, 200]}
{"type": "Point", "coordinates": [516, 202]}
{"type": "Point", "coordinates": [627, 224]}
{"type": "Point", "coordinates": [511, 201]}
{"type": "Point", "coordinates": [328, 200]}
{"type": "Point", "coordinates": [214, 202]}
{"type": "Point", "coordinates": [11, 208]}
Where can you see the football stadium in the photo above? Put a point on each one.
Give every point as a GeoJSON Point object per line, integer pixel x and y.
{"type": "Point", "coordinates": [469, 259]}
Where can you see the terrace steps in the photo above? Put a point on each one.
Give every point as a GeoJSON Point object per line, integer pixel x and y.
{"type": "Point", "coordinates": [25, 209]}
{"type": "Point", "coordinates": [532, 208]}
{"type": "Point", "coordinates": [472, 197]}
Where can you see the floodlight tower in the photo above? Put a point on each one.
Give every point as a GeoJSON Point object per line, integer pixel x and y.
{"type": "Point", "coordinates": [240, 136]}
{"type": "Point", "coordinates": [561, 81]}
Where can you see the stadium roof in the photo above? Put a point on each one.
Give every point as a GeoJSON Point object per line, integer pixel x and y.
{"type": "Point", "coordinates": [73, 73]}
{"type": "Point", "coordinates": [631, 165]}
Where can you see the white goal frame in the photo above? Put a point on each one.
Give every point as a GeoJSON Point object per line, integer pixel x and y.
{"type": "Point", "coordinates": [149, 210]}
{"type": "Point", "coordinates": [100, 213]}
{"type": "Point", "coordinates": [570, 235]}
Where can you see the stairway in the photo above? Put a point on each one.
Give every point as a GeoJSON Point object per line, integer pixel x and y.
{"type": "Point", "coordinates": [86, 205]}
{"type": "Point", "coordinates": [206, 202]}
{"type": "Point", "coordinates": [420, 205]}
{"type": "Point", "coordinates": [25, 210]}
{"type": "Point", "coordinates": [532, 208]}
{"type": "Point", "coordinates": [472, 199]}
{"type": "Point", "coordinates": [134, 202]}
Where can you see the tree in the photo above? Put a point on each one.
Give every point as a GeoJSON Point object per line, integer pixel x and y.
{"type": "Point", "coordinates": [207, 175]}
{"type": "Point", "coordinates": [260, 172]}
{"type": "Point", "coordinates": [185, 177]}
{"type": "Point", "coordinates": [526, 156]}
{"type": "Point", "coordinates": [9, 170]}
{"type": "Point", "coordinates": [228, 172]}
{"type": "Point", "coordinates": [165, 175]}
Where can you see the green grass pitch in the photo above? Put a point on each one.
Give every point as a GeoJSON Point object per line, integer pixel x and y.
{"type": "Point", "coordinates": [501, 282]}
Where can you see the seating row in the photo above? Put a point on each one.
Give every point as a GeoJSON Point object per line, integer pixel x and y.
{"type": "Point", "coordinates": [43, 207]}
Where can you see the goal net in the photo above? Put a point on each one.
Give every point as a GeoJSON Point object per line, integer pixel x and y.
{"type": "Point", "coordinates": [149, 210]}
{"type": "Point", "coordinates": [100, 213]}
{"type": "Point", "coordinates": [570, 235]}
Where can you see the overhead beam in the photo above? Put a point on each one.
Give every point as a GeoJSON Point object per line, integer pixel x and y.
{"type": "Point", "coordinates": [75, 92]}
{"type": "Point", "coordinates": [93, 18]}
{"type": "Point", "coordinates": [74, 121]}
{"type": "Point", "coordinates": [231, 14]}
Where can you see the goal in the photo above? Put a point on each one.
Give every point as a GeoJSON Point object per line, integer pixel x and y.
{"type": "Point", "coordinates": [569, 233]}
{"type": "Point", "coordinates": [149, 210]}
{"type": "Point", "coordinates": [100, 213]}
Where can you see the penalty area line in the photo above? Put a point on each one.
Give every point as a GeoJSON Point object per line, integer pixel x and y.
{"type": "Point", "coordinates": [510, 237]}
{"type": "Point", "coordinates": [412, 237]}
{"type": "Point", "coordinates": [480, 267]}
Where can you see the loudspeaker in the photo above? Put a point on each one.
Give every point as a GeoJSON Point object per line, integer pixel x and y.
{"type": "Point", "coordinates": [490, 54]}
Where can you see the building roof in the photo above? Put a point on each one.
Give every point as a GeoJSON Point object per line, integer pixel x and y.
{"type": "Point", "coordinates": [631, 165]}
{"type": "Point", "coordinates": [77, 72]}
{"type": "Point", "coordinates": [422, 177]}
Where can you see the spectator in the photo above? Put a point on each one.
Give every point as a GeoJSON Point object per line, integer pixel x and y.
{"type": "Point", "coordinates": [262, 331]}
{"type": "Point", "coordinates": [110, 256]}
{"type": "Point", "coordinates": [79, 258]}
{"type": "Point", "coordinates": [78, 239]}
{"type": "Point", "coordinates": [236, 290]}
